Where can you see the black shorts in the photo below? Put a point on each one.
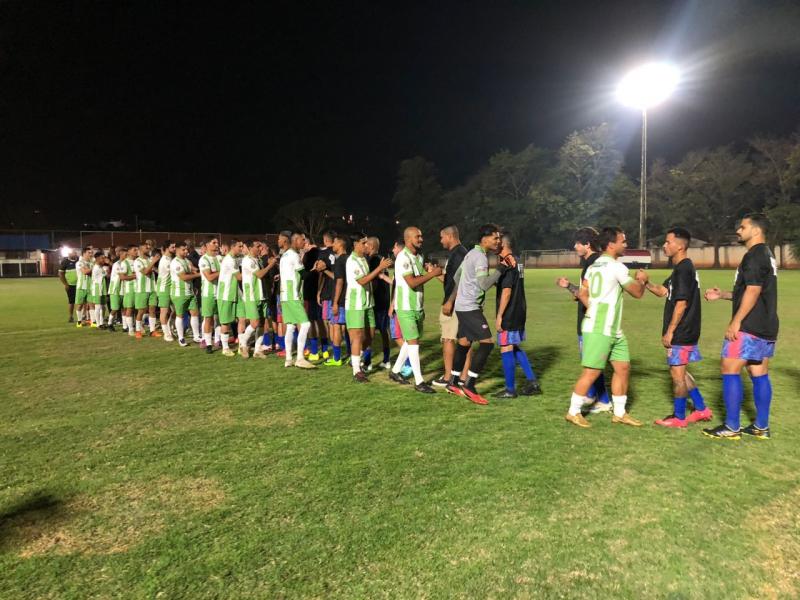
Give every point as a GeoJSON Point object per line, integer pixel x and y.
{"type": "Point", "coordinates": [382, 319]}
{"type": "Point", "coordinates": [473, 326]}
{"type": "Point", "coordinates": [313, 310]}
{"type": "Point", "coordinates": [71, 294]}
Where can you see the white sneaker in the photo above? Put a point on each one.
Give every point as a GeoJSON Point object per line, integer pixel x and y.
{"type": "Point", "coordinates": [589, 400]}
{"type": "Point", "coordinates": [302, 363]}
{"type": "Point", "coordinates": [197, 340]}
{"type": "Point", "coordinates": [168, 338]}
{"type": "Point", "coordinates": [182, 343]}
{"type": "Point", "coordinates": [288, 363]}
{"type": "Point", "coordinates": [600, 407]}
{"type": "Point", "coordinates": [385, 365]}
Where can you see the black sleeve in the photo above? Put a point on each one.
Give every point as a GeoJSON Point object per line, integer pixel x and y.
{"type": "Point", "coordinates": [455, 262]}
{"type": "Point", "coordinates": [64, 266]}
{"type": "Point", "coordinates": [508, 279]}
{"type": "Point", "coordinates": [682, 283]}
{"type": "Point", "coordinates": [755, 269]}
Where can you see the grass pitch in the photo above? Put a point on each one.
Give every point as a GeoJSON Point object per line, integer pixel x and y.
{"type": "Point", "coordinates": [140, 469]}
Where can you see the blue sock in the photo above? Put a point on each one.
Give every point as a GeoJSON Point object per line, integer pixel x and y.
{"type": "Point", "coordinates": [600, 386]}
{"type": "Point", "coordinates": [386, 355]}
{"type": "Point", "coordinates": [265, 340]}
{"type": "Point", "coordinates": [407, 363]}
{"type": "Point", "coordinates": [366, 356]}
{"type": "Point", "coordinates": [732, 395]}
{"type": "Point", "coordinates": [592, 393]}
{"type": "Point", "coordinates": [509, 366]}
{"type": "Point", "coordinates": [680, 407]}
{"type": "Point", "coordinates": [762, 396]}
{"type": "Point", "coordinates": [337, 352]}
{"type": "Point", "coordinates": [282, 342]}
{"type": "Point", "coordinates": [325, 344]}
{"type": "Point", "coordinates": [314, 345]}
{"type": "Point", "coordinates": [697, 399]}
{"type": "Point", "coordinates": [347, 342]}
{"type": "Point", "coordinates": [522, 360]}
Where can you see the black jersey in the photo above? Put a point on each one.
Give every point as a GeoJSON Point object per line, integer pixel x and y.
{"type": "Point", "coordinates": [454, 260]}
{"type": "Point", "coordinates": [683, 284]}
{"type": "Point", "coordinates": [380, 289]}
{"type": "Point", "coordinates": [311, 279]}
{"type": "Point", "coordinates": [327, 256]}
{"type": "Point", "coordinates": [340, 272]}
{"type": "Point", "coordinates": [758, 267]}
{"type": "Point", "coordinates": [515, 313]}
{"type": "Point", "coordinates": [585, 264]}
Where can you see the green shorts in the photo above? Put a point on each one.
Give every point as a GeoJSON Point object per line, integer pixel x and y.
{"type": "Point", "coordinates": [116, 301]}
{"type": "Point", "coordinates": [359, 319]}
{"type": "Point", "coordinates": [163, 299]}
{"type": "Point", "coordinates": [598, 349]}
{"type": "Point", "coordinates": [293, 312]}
{"type": "Point", "coordinates": [128, 300]}
{"type": "Point", "coordinates": [81, 296]}
{"type": "Point", "coordinates": [208, 307]}
{"type": "Point", "coordinates": [229, 311]}
{"type": "Point", "coordinates": [144, 300]}
{"type": "Point", "coordinates": [183, 303]}
{"type": "Point", "coordinates": [410, 323]}
{"type": "Point", "coordinates": [255, 309]}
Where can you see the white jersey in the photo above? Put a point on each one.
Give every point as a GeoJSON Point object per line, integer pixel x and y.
{"type": "Point", "coordinates": [208, 264]}
{"type": "Point", "coordinates": [606, 278]}
{"type": "Point", "coordinates": [227, 284]}
{"type": "Point", "coordinates": [164, 278]}
{"type": "Point", "coordinates": [252, 290]}
{"type": "Point", "coordinates": [98, 281]}
{"type": "Point", "coordinates": [142, 283]}
{"type": "Point", "coordinates": [114, 286]}
{"type": "Point", "coordinates": [405, 297]}
{"type": "Point", "coordinates": [291, 279]}
{"type": "Point", "coordinates": [358, 297]}
{"type": "Point", "coordinates": [180, 288]}
{"type": "Point", "coordinates": [82, 278]}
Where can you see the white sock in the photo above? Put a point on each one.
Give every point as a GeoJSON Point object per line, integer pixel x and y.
{"type": "Point", "coordinates": [129, 321]}
{"type": "Point", "coordinates": [290, 341]}
{"type": "Point", "coordinates": [401, 358]}
{"type": "Point", "coordinates": [259, 339]}
{"type": "Point", "coordinates": [195, 321]}
{"type": "Point", "coordinates": [225, 337]}
{"type": "Point", "coordinates": [413, 357]}
{"type": "Point", "coordinates": [575, 404]}
{"type": "Point", "coordinates": [619, 405]}
{"type": "Point", "coordinates": [207, 338]}
{"type": "Point", "coordinates": [92, 313]}
{"type": "Point", "coordinates": [138, 325]}
{"type": "Point", "coordinates": [181, 328]}
{"type": "Point", "coordinates": [355, 360]}
{"type": "Point", "coordinates": [301, 339]}
{"type": "Point", "coordinates": [152, 324]}
{"type": "Point", "coordinates": [245, 337]}
{"type": "Point", "coordinates": [99, 315]}
{"type": "Point", "coordinates": [217, 334]}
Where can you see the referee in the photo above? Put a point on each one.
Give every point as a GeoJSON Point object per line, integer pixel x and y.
{"type": "Point", "coordinates": [69, 278]}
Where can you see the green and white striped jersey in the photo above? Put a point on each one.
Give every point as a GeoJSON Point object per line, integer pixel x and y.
{"type": "Point", "coordinates": [227, 284]}
{"type": "Point", "coordinates": [406, 298]}
{"type": "Point", "coordinates": [98, 287]}
{"type": "Point", "coordinates": [180, 288]}
{"type": "Point", "coordinates": [83, 278]}
{"type": "Point", "coordinates": [115, 284]}
{"type": "Point", "coordinates": [251, 284]}
{"type": "Point", "coordinates": [606, 278]}
{"type": "Point", "coordinates": [358, 297]}
{"type": "Point", "coordinates": [208, 264]}
{"type": "Point", "coordinates": [164, 275]}
{"type": "Point", "coordinates": [126, 268]}
{"type": "Point", "coordinates": [143, 283]}
{"type": "Point", "coordinates": [291, 278]}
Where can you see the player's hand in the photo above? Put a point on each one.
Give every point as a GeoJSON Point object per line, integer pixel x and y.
{"type": "Point", "coordinates": [498, 324]}
{"type": "Point", "coordinates": [713, 294]}
{"type": "Point", "coordinates": [319, 265]}
{"type": "Point", "coordinates": [509, 260]}
{"type": "Point", "coordinates": [391, 311]}
{"type": "Point", "coordinates": [732, 331]}
{"type": "Point", "coordinates": [666, 339]}
{"type": "Point", "coordinates": [447, 308]}
{"type": "Point", "coordinates": [385, 263]}
{"type": "Point", "coordinates": [642, 276]}
{"type": "Point", "coordinates": [436, 271]}
{"type": "Point", "coordinates": [562, 282]}
{"type": "Point", "coordinates": [335, 309]}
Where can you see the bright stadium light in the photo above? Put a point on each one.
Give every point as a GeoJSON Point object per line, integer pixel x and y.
{"type": "Point", "coordinates": [643, 88]}
{"type": "Point", "coordinates": [65, 251]}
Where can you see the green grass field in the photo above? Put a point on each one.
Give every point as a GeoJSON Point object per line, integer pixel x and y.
{"type": "Point", "coordinates": [138, 469]}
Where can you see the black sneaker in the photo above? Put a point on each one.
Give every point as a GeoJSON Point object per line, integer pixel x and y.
{"type": "Point", "coordinates": [425, 388]}
{"type": "Point", "coordinates": [360, 377]}
{"type": "Point", "coordinates": [210, 349]}
{"type": "Point", "coordinates": [759, 434]}
{"type": "Point", "coordinates": [506, 393]}
{"type": "Point", "coordinates": [397, 378]}
{"type": "Point", "coordinates": [723, 432]}
{"type": "Point", "coordinates": [440, 382]}
{"type": "Point", "coordinates": [111, 328]}
{"type": "Point", "coordinates": [71, 320]}
{"type": "Point", "coordinates": [532, 388]}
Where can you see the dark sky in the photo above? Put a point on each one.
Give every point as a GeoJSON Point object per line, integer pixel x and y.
{"type": "Point", "coordinates": [156, 107]}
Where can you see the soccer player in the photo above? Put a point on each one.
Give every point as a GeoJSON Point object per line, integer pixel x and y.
{"type": "Point", "coordinates": [271, 281]}
{"type": "Point", "coordinates": [255, 304]}
{"type": "Point", "coordinates": [98, 290]}
{"type": "Point", "coordinates": [336, 310]}
{"type": "Point", "coordinates": [359, 306]}
{"type": "Point", "coordinates": [209, 266]}
{"type": "Point", "coordinates": [474, 280]}
{"type": "Point", "coordinates": [115, 286]}
{"type": "Point", "coordinates": [325, 289]}
{"type": "Point", "coordinates": [83, 272]}
{"type": "Point", "coordinates": [380, 290]}
{"type": "Point", "coordinates": [394, 325]}
{"type": "Point", "coordinates": [752, 332]}
{"type": "Point", "coordinates": [313, 310]}
{"type": "Point", "coordinates": [292, 309]}
{"type": "Point", "coordinates": [586, 249]}
{"type": "Point", "coordinates": [228, 293]}
{"type": "Point", "coordinates": [144, 288]}
{"type": "Point", "coordinates": [603, 339]}
{"type": "Point", "coordinates": [182, 295]}
{"type": "Point", "coordinates": [448, 322]}
{"type": "Point", "coordinates": [510, 324]}
{"type": "Point", "coordinates": [681, 328]}
{"type": "Point", "coordinates": [164, 287]}
{"type": "Point", "coordinates": [411, 274]}
{"type": "Point", "coordinates": [69, 278]}
{"type": "Point", "coordinates": [128, 278]}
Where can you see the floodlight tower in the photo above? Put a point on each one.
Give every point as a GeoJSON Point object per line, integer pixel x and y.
{"type": "Point", "coordinates": [643, 88]}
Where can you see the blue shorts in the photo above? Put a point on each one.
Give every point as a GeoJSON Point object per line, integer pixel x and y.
{"type": "Point", "coordinates": [381, 319]}
{"type": "Point", "coordinates": [510, 338]}
{"type": "Point", "coordinates": [328, 314]}
{"type": "Point", "coordinates": [394, 328]}
{"type": "Point", "coordinates": [326, 309]}
{"type": "Point", "coordinates": [748, 347]}
{"type": "Point", "coordinates": [278, 311]}
{"type": "Point", "coordinates": [683, 355]}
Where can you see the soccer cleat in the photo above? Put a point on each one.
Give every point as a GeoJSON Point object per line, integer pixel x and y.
{"type": "Point", "coordinates": [233, 340]}
{"type": "Point", "coordinates": [440, 382]}
{"type": "Point", "coordinates": [110, 328]}
{"type": "Point", "coordinates": [138, 335]}
{"type": "Point", "coordinates": [756, 432]}
{"type": "Point", "coordinates": [385, 365]}
{"type": "Point", "coordinates": [280, 353]}
{"type": "Point", "coordinates": [259, 354]}
{"type": "Point", "coordinates": [406, 371]}
{"type": "Point", "coordinates": [626, 419]}
{"type": "Point", "coordinates": [313, 357]}
{"type": "Point", "coordinates": [94, 326]}
{"type": "Point", "coordinates": [532, 388]}
{"type": "Point", "coordinates": [505, 394]}
{"type": "Point", "coordinates": [156, 334]}
{"type": "Point", "coordinates": [578, 420]}
{"type": "Point", "coordinates": [424, 388]}
{"type": "Point", "coordinates": [203, 345]}
{"type": "Point", "coordinates": [244, 351]}
{"type": "Point", "coordinates": [360, 377]}
{"type": "Point", "coordinates": [287, 363]}
{"type": "Point", "coordinates": [302, 363]}
{"type": "Point", "coordinates": [326, 355]}
{"type": "Point", "coordinates": [103, 327]}
{"type": "Point", "coordinates": [366, 368]}
{"type": "Point", "coordinates": [331, 362]}
{"type": "Point", "coordinates": [209, 350]}
{"type": "Point", "coordinates": [228, 352]}
{"type": "Point", "coordinates": [700, 415]}
{"type": "Point", "coordinates": [182, 343]}
{"type": "Point", "coordinates": [197, 340]}
{"type": "Point", "coordinates": [71, 320]}
{"type": "Point", "coordinates": [723, 432]}
{"type": "Point", "coordinates": [600, 407]}
{"type": "Point", "coordinates": [474, 396]}
{"type": "Point", "coordinates": [672, 421]}
{"type": "Point", "coordinates": [455, 389]}
{"type": "Point", "coordinates": [397, 378]}
{"type": "Point", "coordinates": [78, 324]}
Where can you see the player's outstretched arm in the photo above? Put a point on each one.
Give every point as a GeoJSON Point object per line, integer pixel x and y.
{"type": "Point", "coordinates": [715, 293]}
{"type": "Point", "coordinates": [635, 288]}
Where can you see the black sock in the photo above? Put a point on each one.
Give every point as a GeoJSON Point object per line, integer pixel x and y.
{"type": "Point", "coordinates": [459, 360]}
{"type": "Point", "coordinates": [480, 357]}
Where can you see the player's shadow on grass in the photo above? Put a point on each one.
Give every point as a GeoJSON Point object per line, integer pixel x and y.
{"type": "Point", "coordinates": [33, 511]}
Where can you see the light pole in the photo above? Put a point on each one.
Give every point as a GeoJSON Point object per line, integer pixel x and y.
{"type": "Point", "coordinates": [643, 88]}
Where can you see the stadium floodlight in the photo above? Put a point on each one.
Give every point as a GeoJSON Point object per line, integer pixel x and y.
{"type": "Point", "coordinates": [65, 251]}
{"type": "Point", "coordinates": [643, 88]}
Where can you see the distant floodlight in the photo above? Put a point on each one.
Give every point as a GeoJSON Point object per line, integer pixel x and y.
{"type": "Point", "coordinates": [65, 251]}
{"type": "Point", "coordinates": [648, 85]}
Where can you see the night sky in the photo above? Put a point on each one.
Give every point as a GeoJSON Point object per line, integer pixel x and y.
{"type": "Point", "coordinates": [177, 113]}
